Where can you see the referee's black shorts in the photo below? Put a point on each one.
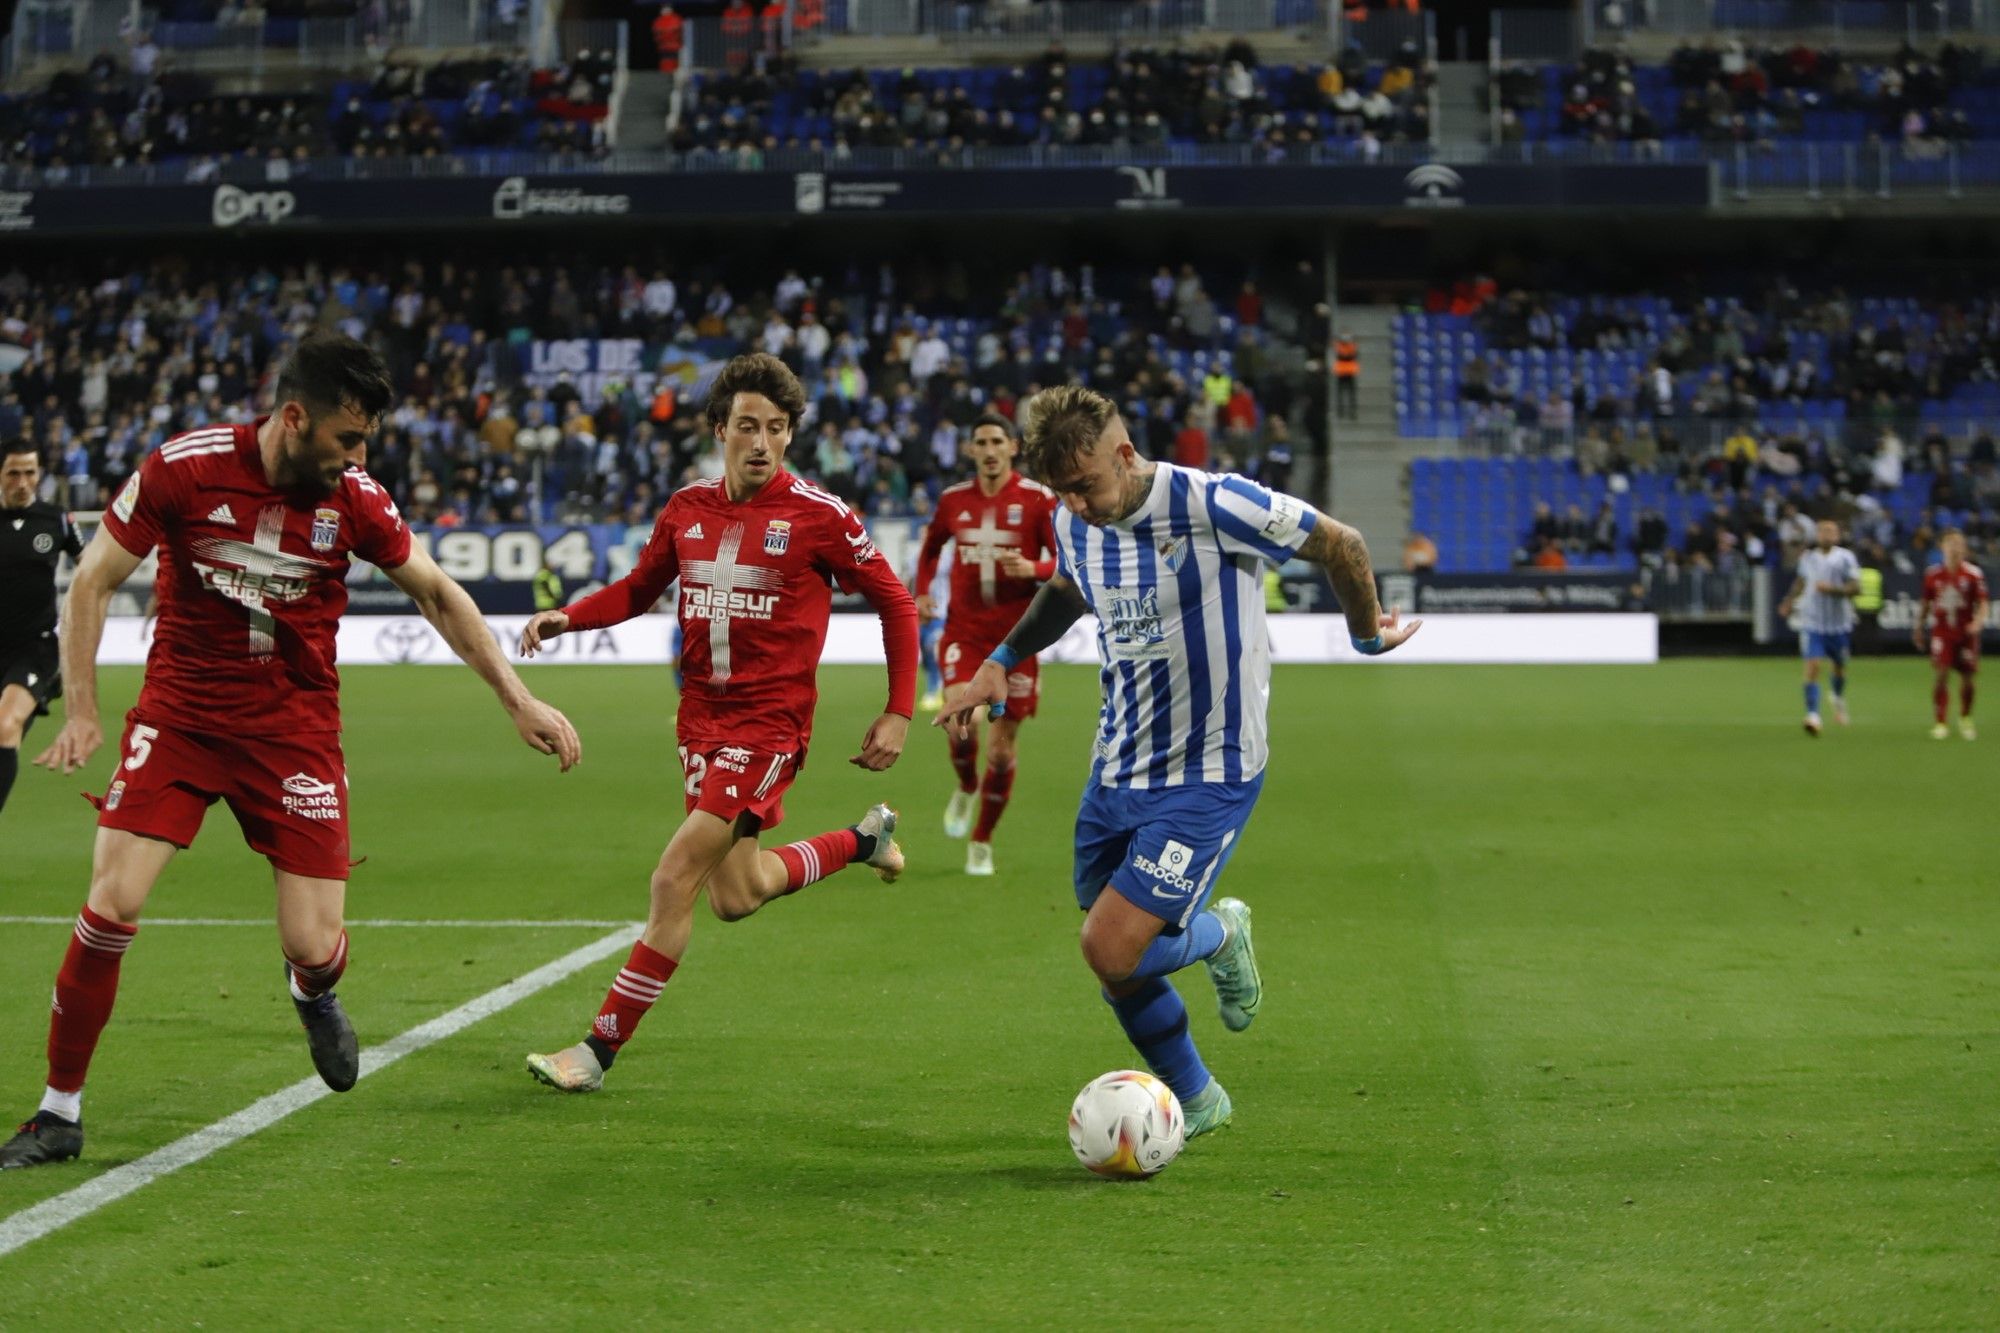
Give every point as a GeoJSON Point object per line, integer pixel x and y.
{"type": "Point", "coordinates": [36, 666]}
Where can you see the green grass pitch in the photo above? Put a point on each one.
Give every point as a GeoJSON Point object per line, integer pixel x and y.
{"type": "Point", "coordinates": [1597, 997]}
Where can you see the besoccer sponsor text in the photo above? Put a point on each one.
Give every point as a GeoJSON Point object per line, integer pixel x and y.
{"type": "Point", "coordinates": [1173, 879]}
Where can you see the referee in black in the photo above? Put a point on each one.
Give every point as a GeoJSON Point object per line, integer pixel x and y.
{"type": "Point", "coordinates": [33, 537]}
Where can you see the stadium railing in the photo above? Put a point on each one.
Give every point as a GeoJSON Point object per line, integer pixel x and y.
{"type": "Point", "coordinates": [1685, 593]}
{"type": "Point", "coordinates": [1000, 27]}
{"type": "Point", "coordinates": [973, 22]}
{"type": "Point", "coordinates": [1834, 20]}
{"type": "Point", "coordinates": [1535, 36]}
{"type": "Point", "coordinates": [75, 30]}
{"type": "Point", "coordinates": [1699, 437]}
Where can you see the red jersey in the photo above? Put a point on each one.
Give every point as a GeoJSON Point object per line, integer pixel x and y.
{"type": "Point", "coordinates": [985, 602]}
{"type": "Point", "coordinates": [252, 581]}
{"type": "Point", "coordinates": [1954, 595]}
{"type": "Point", "coordinates": [756, 589]}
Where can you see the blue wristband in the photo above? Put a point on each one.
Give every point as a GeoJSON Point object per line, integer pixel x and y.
{"type": "Point", "coordinates": [1366, 647]}
{"type": "Point", "coordinates": [1005, 656]}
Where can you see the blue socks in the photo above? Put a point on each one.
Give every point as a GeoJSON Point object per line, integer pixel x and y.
{"type": "Point", "coordinates": [1812, 696]}
{"type": "Point", "coordinates": [1170, 953]}
{"type": "Point", "coordinates": [1839, 684]}
{"type": "Point", "coordinates": [1157, 1022]}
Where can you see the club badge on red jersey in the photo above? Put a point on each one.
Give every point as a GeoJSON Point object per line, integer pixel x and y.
{"type": "Point", "coordinates": [1014, 515]}
{"type": "Point", "coordinates": [777, 537]}
{"type": "Point", "coordinates": [325, 529]}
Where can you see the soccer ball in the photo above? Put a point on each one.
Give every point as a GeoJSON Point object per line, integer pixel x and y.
{"type": "Point", "coordinates": [1126, 1125]}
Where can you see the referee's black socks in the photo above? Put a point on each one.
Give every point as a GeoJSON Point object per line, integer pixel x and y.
{"type": "Point", "coordinates": [10, 763]}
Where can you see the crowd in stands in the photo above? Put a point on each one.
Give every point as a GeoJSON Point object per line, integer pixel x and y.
{"type": "Point", "coordinates": [1210, 371]}
{"type": "Point", "coordinates": [1826, 356]}
{"type": "Point", "coordinates": [1738, 511]}
{"type": "Point", "coordinates": [1726, 93]}
{"type": "Point", "coordinates": [140, 111]}
{"type": "Point", "coordinates": [1762, 411]}
{"type": "Point", "coordinates": [1136, 97]}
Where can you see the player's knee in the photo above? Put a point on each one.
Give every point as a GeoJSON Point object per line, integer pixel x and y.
{"type": "Point", "coordinates": [11, 732]}
{"type": "Point", "coordinates": [1105, 956]}
{"type": "Point", "coordinates": [673, 888]}
{"type": "Point", "coordinates": [112, 898]}
{"type": "Point", "coordinates": [1000, 754]}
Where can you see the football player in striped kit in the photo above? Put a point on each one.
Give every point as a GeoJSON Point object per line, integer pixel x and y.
{"type": "Point", "coordinates": [1823, 592]}
{"type": "Point", "coordinates": [1170, 560]}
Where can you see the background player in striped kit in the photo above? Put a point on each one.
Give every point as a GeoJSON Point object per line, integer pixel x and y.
{"type": "Point", "coordinates": [755, 551]}
{"type": "Point", "coordinates": [1170, 560]}
{"type": "Point", "coordinates": [1823, 591]}
{"type": "Point", "coordinates": [998, 525]}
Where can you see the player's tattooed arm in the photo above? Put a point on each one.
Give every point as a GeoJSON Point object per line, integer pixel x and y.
{"type": "Point", "coordinates": [1343, 555]}
{"type": "Point", "coordinates": [1058, 604]}
{"type": "Point", "coordinates": [1340, 551]}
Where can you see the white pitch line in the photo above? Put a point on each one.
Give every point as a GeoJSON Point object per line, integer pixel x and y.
{"type": "Point", "coordinates": [366, 922]}
{"type": "Point", "coordinates": [33, 1223]}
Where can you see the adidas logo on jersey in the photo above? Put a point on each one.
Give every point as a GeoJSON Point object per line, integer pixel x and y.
{"type": "Point", "coordinates": [694, 533]}
{"type": "Point", "coordinates": [221, 514]}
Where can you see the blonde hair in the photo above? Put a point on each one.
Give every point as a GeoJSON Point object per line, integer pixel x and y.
{"type": "Point", "coordinates": [1060, 423]}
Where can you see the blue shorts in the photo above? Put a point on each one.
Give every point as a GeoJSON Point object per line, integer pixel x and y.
{"type": "Point", "coordinates": [1160, 849]}
{"type": "Point", "coordinates": [1833, 647]}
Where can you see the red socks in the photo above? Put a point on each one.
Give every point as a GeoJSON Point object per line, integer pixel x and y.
{"type": "Point", "coordinates": [86, 988]}
{"type": "Point", "coordinates": [993, 794]}
{"type": "Point", "coordinates": [1941, 699]}
{"type": "Point", "coordinates": [632, 993]}
{"type": "Point", "coordinates": [312, 980]}
{"type": "Point", "coordinates": [814, 859]}
{"type": "Point", "coordinates": [965, 761]}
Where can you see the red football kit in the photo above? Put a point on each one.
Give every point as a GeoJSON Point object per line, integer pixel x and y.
{"type": "Point", "coordinates": [985, 600]}
{"type": "Point", "coordinates": [756, 589]}
{"type": "Point", "coordinates": [241, 701]}
{"type": "Point", "coordinates": [1954, 595]}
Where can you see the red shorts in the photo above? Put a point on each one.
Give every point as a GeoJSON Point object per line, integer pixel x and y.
{"type": "Point", "coordinates": [289, 793]}
{"type": "Point", "coordinates": [961, 660]}
{"type": "Point", "coordinates": [731, 780]}
{"type": "Point", "coordinates": [1955, 652]}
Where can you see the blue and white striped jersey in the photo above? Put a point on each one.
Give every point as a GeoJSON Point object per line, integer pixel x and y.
{"type": "Point", "coordinates": [1178, 591]}
{"type": "Point", "coordinates": [1822, 613]}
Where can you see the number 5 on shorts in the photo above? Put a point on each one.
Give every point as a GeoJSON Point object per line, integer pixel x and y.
{"type": "Point", "coordinates": [141, 746]}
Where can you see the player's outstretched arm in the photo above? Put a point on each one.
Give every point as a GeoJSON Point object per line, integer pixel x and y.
{"type": "Point", "coordinates": [541, 627]}
{"type": "Point", "coordinates": [1340, 551]}
{"type": "Point", "coordinates": [105, 565]}
{"type": "Point", "coordinates": [883, 744]}
{"type": "Point", "coordinates": [451, 609]}
{"type": "Point", "coordinates": [616, 602]}
{"type": "Point", "coordinates": [1920, 632]}
{"type": "Point", "coordinates": [1057, 605]}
